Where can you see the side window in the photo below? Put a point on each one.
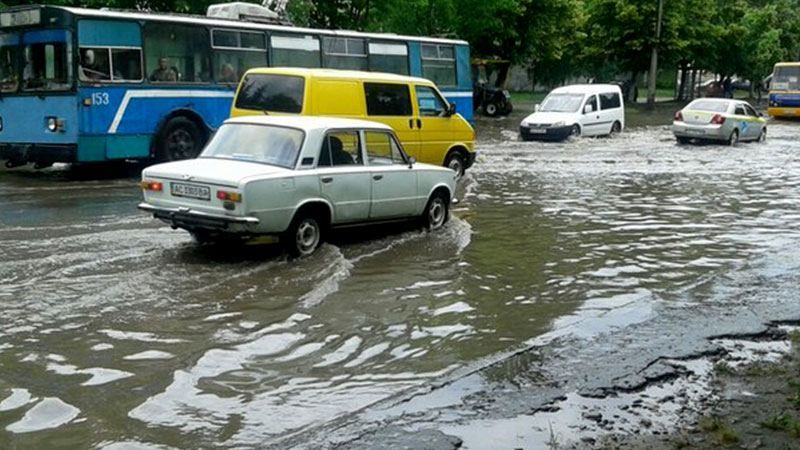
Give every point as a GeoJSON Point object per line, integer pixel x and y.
{"type": "Point", "coordinates": [110, 64]}
{"type": "Point", "coordinates": [235, 52]}
{"type": "Point", "coordinates": [126, 64]}
{"type": "Point", "coordinates": [750, 111]}
{"type": "Point", "coordinates": [94, 64]}
{"type": "Point", "coordinates": [430, 102]}
{"type": "Point", "coordinates": [345, 53]}
{"type": "Point", "coordinates": [387, 99]}
{"type": "Point", "coordinates": [591, 104]}
{"type": "Point", "coordinates": [295, 51]}
{"type": "Point", "coordinates": [740, 111]}
{"type": "Point", "coordinates": [176, 53]}
{"type": "Point", "coordinates": [382, 149]}
{"type": "Point", "coordinates": [610, 100]}
{"type": "Point", "coordinates": [340, 148]}
{"type": "Point", "coordinates": [388, 57]}
{"type": "Point", "coordinates": [439, 64]}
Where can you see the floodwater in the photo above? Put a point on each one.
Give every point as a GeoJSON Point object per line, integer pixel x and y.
{"type": "Point", "coordinates": [118, 332]}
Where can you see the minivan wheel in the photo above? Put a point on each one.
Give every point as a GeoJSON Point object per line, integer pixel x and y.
{"type": "Point", "coordinates": [734, 138]}
{"type": "Point", "coordinates": [456, 163]}
{"type": "Point", "coordinates": [437, 212]}
{"type": "Point", "coordinates": [303, 236]}
{"type": "Point", "coordinates": [616, 128]}
{"type": "Point", "coordinates": [575, 131]}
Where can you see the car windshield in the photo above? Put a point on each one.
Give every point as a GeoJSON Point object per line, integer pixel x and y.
{"type": "Point", "coordinates": [47, 67]}
{"type": "Point", "coordinates": [9, 61]}
{"type": "Point", "coordinates": [786, 78]}
{"type": "Point", "coordinates": [710, 106]}
{"type": "Point", "coordinates": [267, 144]}
{"type": "Point", "coordinates": [562, 103]}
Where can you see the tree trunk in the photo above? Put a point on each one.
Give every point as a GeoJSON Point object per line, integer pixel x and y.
{"type": "Point", "coordinates": [694, 85]}
{"type": "Point", "coordinates": [682, 86]}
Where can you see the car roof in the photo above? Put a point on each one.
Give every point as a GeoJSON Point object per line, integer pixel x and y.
{"type": "Point", "coordinates": [719, 100]}
{"type": "Point", "coordinates": [335, 73]}
{"type": "Point", "coordinates": [309, 123]}
{"type": "Point", "coordinates": [586, 89]}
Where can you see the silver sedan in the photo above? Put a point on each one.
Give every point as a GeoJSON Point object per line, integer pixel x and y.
{"type": "Point", "coordinates": [719, 119]}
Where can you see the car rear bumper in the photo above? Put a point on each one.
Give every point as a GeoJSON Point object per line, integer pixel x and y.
{"type": "Point", "coordinates": [545, 134]}
{"type": "Point", "coordinates": [189, 219]}
{"type": "Point", "coordinates": [38, 153]}
{"type": "Point", "coordinates": [700, 131]}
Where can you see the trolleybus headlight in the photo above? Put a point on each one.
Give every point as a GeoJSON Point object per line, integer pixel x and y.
{"type": "Point", "coordinates": [52, 125]}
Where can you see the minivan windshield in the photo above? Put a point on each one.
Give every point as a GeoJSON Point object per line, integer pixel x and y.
{"type": "Point", "coordinates": [267, 92]}
{"type": "Point", "coordinates": [267, 144]}
{"type": "Point", "coordinates": [786, 78]}
{"type": "Point", "coordinates": [562, 103]}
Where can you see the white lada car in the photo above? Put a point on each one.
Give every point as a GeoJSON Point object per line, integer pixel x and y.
{"type": "Point", "coordinates": [296, 178]}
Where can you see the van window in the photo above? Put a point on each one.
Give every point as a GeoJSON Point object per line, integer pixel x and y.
{"type": "Point", "coordinates": [591, 102]}
{"type": "Point", "coordinates": [439, 64]}
{"type": "Point", "coordinates": [279, 93]}
{"type": "Point", "coordinates": [385, 99]}
{"type": "Point", "coordinates": [340, 148]}
{"type": "Point", "coordinates": [388, 57]}
{"type": "Point", "coordinates": [610, 100]}
{"type": "Point", "coordinates": [430, 103]}
{"type": "Point", "coordinates": [295, 51]}
{"type": "Point", "coordinates": [345, 53]}
{"type": "Point", "coordinates": [382, 150]}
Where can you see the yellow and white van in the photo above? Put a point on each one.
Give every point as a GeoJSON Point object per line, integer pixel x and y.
{"type": "Point", "coordinates": [429, 128]}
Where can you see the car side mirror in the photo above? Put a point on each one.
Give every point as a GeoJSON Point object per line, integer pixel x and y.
{"type": "Point", "coordinates": [411, 161]}
{"type": "Point", "coordinates": [451, 109]}
{"type": "Point", "coordinates": [536, 107]}
{"type": "Point", "coordinates": [588, 109]}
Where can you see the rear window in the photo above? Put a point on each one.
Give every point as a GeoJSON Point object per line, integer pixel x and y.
{"type": "Point", "coordinates": [278, 93]}
{"type": "Point", "coordinates": [705, 105]}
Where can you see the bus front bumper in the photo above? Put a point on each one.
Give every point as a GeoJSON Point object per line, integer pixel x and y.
{"type": "Point", "coordinates": [189, 219]}
{"type": "Point", "coordinates": [40, 154]}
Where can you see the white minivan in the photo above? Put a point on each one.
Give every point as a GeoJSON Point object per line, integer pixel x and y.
{"type": "Point", "coordinates": [576, 110]}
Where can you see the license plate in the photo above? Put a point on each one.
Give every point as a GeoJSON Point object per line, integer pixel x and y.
{"type": "Point", "coordinates": [691, 131]}
{"type": "Point", "coordinates": [190, 191]}
{"type": "Point", "coordinates": [538, 131]}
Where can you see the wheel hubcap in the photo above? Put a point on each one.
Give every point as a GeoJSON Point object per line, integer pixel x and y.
{"type": "Point", "coordinates": [180, 145]}
{"type": "Point", "coordinates": [307, 236]}
{"type": "Point", "coordinates": [436, 213]}
{"type": "Point", "coordinates": [455, 165]}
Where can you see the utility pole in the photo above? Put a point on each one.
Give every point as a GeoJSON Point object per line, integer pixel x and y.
{"type": "Point", "coordinates": [653, 74]}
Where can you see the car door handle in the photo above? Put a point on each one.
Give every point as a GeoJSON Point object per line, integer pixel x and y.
{"type": "Point", "coordinates": [377, 177]}
{"type": "Point", "coordinates": [411, 123]}
{"type": "Point", "coordinates": [326, 179]}
{"type": "Point", "coordinates": [419, 124]}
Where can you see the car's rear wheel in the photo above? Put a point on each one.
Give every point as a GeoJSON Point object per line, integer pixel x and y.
{"type": "Point", "coordinates": [303, 236]}
{"type": "Point", "coordinates": [616, 128]}
{"type": "Point", "coordinates": [733, 139]}
{"type": "Point", "coordinates": [437, 212]}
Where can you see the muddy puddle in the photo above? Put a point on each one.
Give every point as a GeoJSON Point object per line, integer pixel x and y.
{"type": "Point", "coordinates": [118, 332]}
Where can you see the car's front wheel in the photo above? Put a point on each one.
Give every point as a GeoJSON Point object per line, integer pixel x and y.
{"type": "Point", "coordinates": [303, 236]}
{"type": "Point", "coordinates": [763, 136]}
{"type": "Point", "coordinates": [437, 212]}
{"type": "Point", "coordinates": [455, 162]}
{"type": "Point", "coordinates": [575, 131]}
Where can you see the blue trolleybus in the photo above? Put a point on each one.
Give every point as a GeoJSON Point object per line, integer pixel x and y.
{"type": "Point", "coordinates": [83, 85]}
{"type": "Point", "coordinates": [784, 92]}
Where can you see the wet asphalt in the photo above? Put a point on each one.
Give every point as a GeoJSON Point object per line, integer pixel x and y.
{"type": "Point", "coordinates": [570, 274]}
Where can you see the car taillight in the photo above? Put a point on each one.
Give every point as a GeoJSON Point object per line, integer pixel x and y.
{"type": "Point", "coordinates": [229, 196]}
{"type": "Point", "coordinates": [678, 117]}
{"type": "Point", "coordinates": [717, 119]}
{"type": "Point", "coordinates": [156, 186]}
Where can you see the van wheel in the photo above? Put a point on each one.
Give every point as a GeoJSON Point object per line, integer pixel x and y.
{"type": "Point", "coordinates": [490, 109]}
{"type": "Point", "coordinates": [456, 163]}
{"type": "Point", "coordinates": [616, 128]}
{"type": "Point", "coordinates": [303, 236]}
{"type": "Point", "coordinates": [436, 212]}
{"type": "Point", "coordinates": [180, 139]}
{"type": "Point", "coordinates": [575, 131]}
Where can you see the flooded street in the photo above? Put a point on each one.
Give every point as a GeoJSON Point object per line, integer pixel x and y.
{"type": "Point", "coordinates": [567, 270]}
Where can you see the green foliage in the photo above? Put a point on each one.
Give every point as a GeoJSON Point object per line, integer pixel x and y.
{"type": "Point", "coordinates": [783, 422]}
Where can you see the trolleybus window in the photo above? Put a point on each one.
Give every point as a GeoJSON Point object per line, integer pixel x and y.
{"type": "Point", "coordinates": [176, 53]}
{"type": "Point", "coordinates": [47, 67]}
{"type": "Point", "coordinates": [295, 51]}
{"type": "Point", "coordinates": [439, 64]}
{"type": "Point", "coordinates": [235, 52]}
{"type": "Point", "coordinates": [786, 78]}
{"type": "Point", "coordinates": [345, 53]}
{"type": "Point", "coordinates": [388, 57]}
{"type": "Point", "coordinates": [9, 65]}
